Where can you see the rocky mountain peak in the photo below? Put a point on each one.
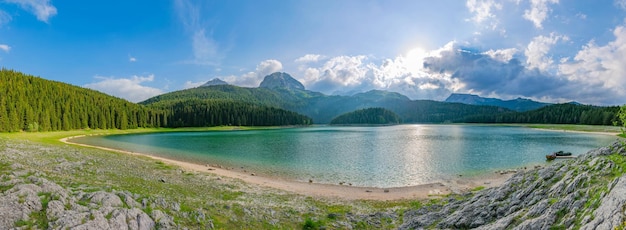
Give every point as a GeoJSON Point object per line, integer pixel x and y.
{"type": "Point", "coordinates": [215, 81]}
{"type": "Point", "coordinates": [281, 80]}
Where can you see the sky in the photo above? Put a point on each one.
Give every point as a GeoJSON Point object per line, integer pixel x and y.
{"type": "Point", "coordinates": [547, 50]}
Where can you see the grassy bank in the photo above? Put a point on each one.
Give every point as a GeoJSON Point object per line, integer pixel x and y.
{"type": "Point", "coordinates": [227, 203]}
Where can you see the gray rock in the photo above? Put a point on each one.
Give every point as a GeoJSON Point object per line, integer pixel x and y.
{"type": "Point", "coordinates": [609, 214]}
{"type": "Point", "coordinates": [104, 199]}
{"type": "Point", "coordinates": [163, 221]}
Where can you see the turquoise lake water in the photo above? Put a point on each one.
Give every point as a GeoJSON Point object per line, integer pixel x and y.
{"type": "Point", "coordinates": [391, 156]}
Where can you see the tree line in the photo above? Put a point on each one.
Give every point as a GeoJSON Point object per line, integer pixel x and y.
{"type": "Point", "coordinates": [375, 116]}
{"type": "Point", "coordinates": [33, 104]}
{"type": "Point", "coordinates": [556, 114]}
{"type": "Point", "coordinates": [208, 112]}
{"type": "Point", "coordinates": [29, 103]}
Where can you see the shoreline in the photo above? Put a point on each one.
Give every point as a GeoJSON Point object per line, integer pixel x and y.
{"type": "Point", "coordinates": [424, 191]}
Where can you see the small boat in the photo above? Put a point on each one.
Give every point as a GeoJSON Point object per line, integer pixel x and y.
{"type": "Point", "coordinates": [559, 154]}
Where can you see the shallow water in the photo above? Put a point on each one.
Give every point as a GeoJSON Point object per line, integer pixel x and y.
{"type": "Point", "coordinates": [391, 156]}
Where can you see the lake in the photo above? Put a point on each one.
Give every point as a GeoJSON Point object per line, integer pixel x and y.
{"type": "Point", "coordinates": [390, 156]}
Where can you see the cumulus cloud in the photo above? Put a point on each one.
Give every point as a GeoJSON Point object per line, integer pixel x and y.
{"type": "Point", "coordinates": [254, 78]}
{"type": "Point", "coordinates": [128, 88]}
{"type": "Point", "coordinates": [40, 8]}
{"type": "Point", "coordinates": [538, 48]}
{"type": "Point", "coordinates": [483, 10]}
{"type": "Point", "coordinates": [503, 55]}
{"type": "Point", "coordinates": [538, 11]}
{"type": "Point", "coordinates": [131, 59]}
{"type": "Point", "coordinates": [5, 47]}
{"type": "Point", "coordinates": [309, 58]}
{"type": "Point", "coordinates": [480, 73]}
{"type": "Point", "coordinates": [601, 68]}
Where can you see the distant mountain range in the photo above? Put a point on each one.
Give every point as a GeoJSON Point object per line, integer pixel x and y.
{"type": "Point", "coordinates": [281, 90]}
{"type": "Point", "coordinates": [519, 104]}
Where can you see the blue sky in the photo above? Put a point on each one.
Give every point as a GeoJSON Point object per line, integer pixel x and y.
{"type": "Point", "coordinates": [548, 50]}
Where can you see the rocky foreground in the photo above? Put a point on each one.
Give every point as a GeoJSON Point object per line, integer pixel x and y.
{"type": "Point", "coordinates": [47, 187]}
{"type": "Point", "coordinates": [586, 193]}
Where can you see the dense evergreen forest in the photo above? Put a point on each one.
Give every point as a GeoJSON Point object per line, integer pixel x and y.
{"type": "Point", "coordinates": [203, 113]}
{"type": "Point", "coordinates": [34, 104]}
{"type": "Point", "coordinates": [29, 103]}
{"type": "Point", "coordinates": [373, 116]}
{"type": "Point", "coordinates": [556, 114]}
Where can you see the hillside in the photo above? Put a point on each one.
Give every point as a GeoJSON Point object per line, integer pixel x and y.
{"type": "Point", "coordinates": [519, 104]}
{"type": "Point", "coordinates": [369, 116]}
{"type": "Point", "coordinates": [34, 104]}
{"type": "Point", "coordinates": [212, 112]}
{"type": "Point", "coordinates": [280, 90]}
{"type": "Point", "coordinates": [556, 114]}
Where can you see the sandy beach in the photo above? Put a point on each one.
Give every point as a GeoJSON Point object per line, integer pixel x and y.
{"type": "Point", "coordinates": [425, 191]}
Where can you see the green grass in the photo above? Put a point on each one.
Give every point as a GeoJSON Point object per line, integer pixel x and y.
{"type": "Point", "coordinates": [478, 188]}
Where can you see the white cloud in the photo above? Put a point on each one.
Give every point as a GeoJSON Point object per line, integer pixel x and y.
{"type": "Point", "coordinates": [538, 48]}
{"type": "Point", "coordinates": [5, 47]}
{"type": "Point", "coordinates": [309, 58]}
{"type": "Point", "coordinates": [40, 8]}
{"type": "Point", "coordinates": [131, 59]}
{"type": "Point", "coordinates": [538, 11]}
{"type": "Point", "coordinates": [601, 68]}
{"type": "Point", "coordinates": [253, 79]}
{"type": "Point", "coordinates": [482, 9]}
{"type": "Point", "coordinates": [503, 55]}
{"type": "Point", "coordinates": [191, 84]}
{"type": "Point", "coordinates": [128, 88]}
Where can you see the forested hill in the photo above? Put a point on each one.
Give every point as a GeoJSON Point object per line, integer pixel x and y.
{"type": "Point", "coordinates": [29, 103]}
{"type": "Point", "coordinates": [556, 114]}
{"type": "Point", "coordinates": [286, 93]}
{"type": "Point", "coordinates": [369, 116]}
{"type": "Point", "coordinates": [214, 112]}
{"type": "Point", "coordinates": [35, 104]}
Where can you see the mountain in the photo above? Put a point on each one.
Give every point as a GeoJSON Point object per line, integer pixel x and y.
{"type": "Point", "coordinates": [213, 82]}
{"type": "Point", "coordinates": [280, 90]}
{"type": "Point", "coordinates": [280, 80]}
{"type": "Point", "coordinates": [519, 104]}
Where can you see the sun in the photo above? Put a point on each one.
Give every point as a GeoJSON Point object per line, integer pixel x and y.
{"type": "Point", "coordinates": [415, 59]}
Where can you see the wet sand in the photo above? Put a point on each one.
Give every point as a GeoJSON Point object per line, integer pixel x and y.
{"type": "Point", "coordinates": [459, 184]}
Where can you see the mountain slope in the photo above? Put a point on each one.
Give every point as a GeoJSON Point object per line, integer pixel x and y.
{"type": "Point", "coordinates": [519, 104]}
{"type": "Point", "coordinates": [280, 80]}
{"type": "Point", "coordinates": [280, 90]}
{"type": "Point", "coordinates": [34, 104]}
